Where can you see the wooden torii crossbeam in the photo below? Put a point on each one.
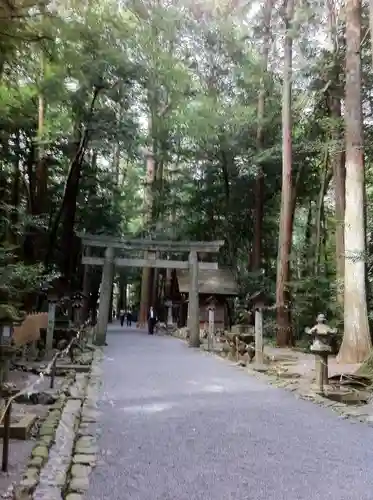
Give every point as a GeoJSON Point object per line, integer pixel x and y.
{"type": "Point", "coordinates": [110, 261]}
{"type": "Point", "coordinates": [150, 262]}
{"type": "Point", "coordinates": [92, 240]}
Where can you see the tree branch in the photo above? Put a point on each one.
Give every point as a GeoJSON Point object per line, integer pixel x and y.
{"type": "Point", "coordinates": [76, 162]}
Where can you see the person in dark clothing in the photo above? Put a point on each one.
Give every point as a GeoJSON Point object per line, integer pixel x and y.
{"type": "Point", "coordinates": [121, 317]}
{"type": "Point", "coordinates": [152, 320]}
{"type": "Point", "coordinates": [129, 318]}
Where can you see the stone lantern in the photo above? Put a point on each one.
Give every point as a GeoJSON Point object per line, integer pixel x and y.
{"type": "Point", "coordinates": [211, 303]}
{"type": "Point", "coordinates": [9, 317]}
{"type": "Point", "coordinates": [322, 336]}
{"type": "Point", "coordinates": [62, 330]}
{"type": "Point", "coordinates": [77, 304]}
{"type": "Point", "coordinates": [62, 317]}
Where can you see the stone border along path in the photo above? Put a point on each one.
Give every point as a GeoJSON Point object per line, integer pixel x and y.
{"type": "Point", "coordinates": [65, 451]}
{"type": "Point", "coordinates": [363, 413]}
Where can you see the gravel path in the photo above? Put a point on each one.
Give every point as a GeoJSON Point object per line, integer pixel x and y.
{"type": "Point", "coordinates": [178, 424]}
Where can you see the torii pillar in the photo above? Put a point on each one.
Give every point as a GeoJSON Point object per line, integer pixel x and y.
{"type": "Point", "coordinates": [193, 317]}
{"type": "Point", "coordinates": [105, 297]}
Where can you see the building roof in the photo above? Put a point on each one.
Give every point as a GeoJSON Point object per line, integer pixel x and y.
{"type": "Point", "coordinates": [218, 282]}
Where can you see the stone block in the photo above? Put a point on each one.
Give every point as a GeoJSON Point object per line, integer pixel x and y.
{"type": "Point", "coordinates": [22, 492]}
{"type": "Point", "coordinates": [76, 392]}
{"type": "Point", "coordinates": [46, 440]}
{"type": "Point", "coordinates": [40, 451]}
{"type": "Point", "coordinates": [80, 470]}
{"type": "Point", "coordinates": [36, 462]}
{"type": "Point", "coordinates": [74, 496]}
{"type": "Point", "coordinates": [87, 429]}
{"type": "Point", "coordinates": [84, 459]}
{"type": "Point", "coordinates": [85, 450]}
{"type": "Point", "coordinates": [60, 403]}
{"type": "Point", "coordinates": [85, 441]}
{"type": "Point", "coordinates": [22, 428]}
{"type": "Point", "coordinates": [90, 416]}
{"type": "Point", "coordinates": [72, 406]}
{"type": "Point", "coordinates": [54, 414]}
{"type": "Point", "coordinates": [79, 484]}
{"type": "Point", "coordinates": [77, 368]}
{"type": "Point", "coordinates": [31, 473]}
{"type": "Point", "coordinates": [48, 429]}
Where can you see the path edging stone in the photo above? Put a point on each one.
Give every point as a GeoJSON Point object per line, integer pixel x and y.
{"type": "Point", "coordinates": [48, 470]}
{"type": "Point", "coordinates": [44, 442]}
{"type": "Point", "coordinates": [84, 451]}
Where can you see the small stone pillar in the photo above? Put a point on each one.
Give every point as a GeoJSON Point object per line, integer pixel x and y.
{"type": "Point", "coordinates": [105, 297]}
{"type": "Point", "coordinates": [258, 300]}
{"type": "Point", "coordinates": [193, 319]}
{"type": "Point", "coordinates": [168, 305]}
{"type": "Point", "coordinates": [211, 308]}
{"type": "Point", "coordinates": [322, 335]}
{"type": "Point", "coordinates": [52, 301]}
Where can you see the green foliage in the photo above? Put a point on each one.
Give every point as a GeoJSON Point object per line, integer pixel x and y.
{"type": "Point", "coordinates": [312, 297]}
{"type": "Point", "coordinates": [183, 80]}
{"type": "Point", "coordinates": [16, 280]}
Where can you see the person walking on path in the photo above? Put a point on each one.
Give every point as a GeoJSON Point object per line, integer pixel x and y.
{"type": "Point", "coordinates": [152, 320]}
{"type": "Point", "coordinates": [129, 318]}
{"type": "Point", "coordinates": [121, 316]}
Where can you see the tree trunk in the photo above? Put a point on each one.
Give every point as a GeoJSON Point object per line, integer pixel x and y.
{"type": "Point", "coordinates": [259, 181]}
{"type": "Point", "coordinates": [95, 281]}
{"type": "Point", "coordinates": [284, 330]}
{"type": "Point", "coordinates": [356, 344]}
{"type": "Point", "coordinates": [68, 219]}
{"type": "Point", "coordinates": [67, 210]}
{"type": "Point", "coordinates": [122, 296]}
{"type": "Point", "coordinates": [15, 196]}
{"type": "Point", "coordinates": [371, 27]}
{"type": "Point", "coordinates": [324, 183]}
{"type": "Point", "coordinates": [86, 292]}
{"type": "Point", "coordinates": [146, 281]}
{"type": "Point", "coordinates": [168, 284]}
{"type": "Point", "coordinates": [155, 284]}
{"type": "Point", "coordinates": [117, 146]}
{"type": "Point", "coordinates": [144, 298]}
{"type": "Point", "coordinates": [227, 164]}
{"type": "Point", "coordinates": [307, 247]}
{"type": "Point", "coordinates": [155, 274]}
{"type": "Point", "coordinates": [41, 175]}
{"type": "Point", "coordinates": [337, 156]}
{"type": "Point", "coordinates": [339, 174]}
{"type": "Point", "coordinates": [110, 318]}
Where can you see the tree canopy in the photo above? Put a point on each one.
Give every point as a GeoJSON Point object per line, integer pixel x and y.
{"type": "Point", "coordinates": [248, 115]}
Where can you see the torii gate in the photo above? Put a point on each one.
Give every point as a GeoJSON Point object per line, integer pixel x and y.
{"type": "Point", "coordinates": [149, 249]}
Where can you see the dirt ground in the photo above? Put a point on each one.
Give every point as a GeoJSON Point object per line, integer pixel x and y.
{"type": "Point", "coordinates": [296, 362]}
{"type": "Point", "coordinates": [293, 362]}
